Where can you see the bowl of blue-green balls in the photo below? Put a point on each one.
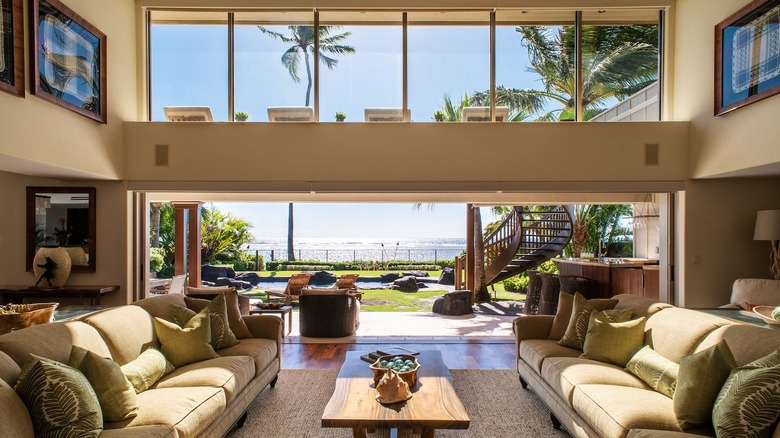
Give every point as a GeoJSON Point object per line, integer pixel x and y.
{"type": "Point", "coordinates": [405, 365]}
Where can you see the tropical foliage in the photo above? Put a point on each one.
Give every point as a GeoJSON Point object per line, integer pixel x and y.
{"type": "Point", "coordinates": [617, 61]}
{"type": "Point", "coordinates": [594, 223]}
{"type": "Point", "coordinates": [450, 111]}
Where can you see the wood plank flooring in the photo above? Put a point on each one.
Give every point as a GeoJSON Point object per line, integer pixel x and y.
{"type": "Point", "coordinates": [458, 355]}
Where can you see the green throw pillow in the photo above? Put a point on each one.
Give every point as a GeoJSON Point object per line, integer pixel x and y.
{"type": "Point", "coordinates": [613, 342]}
{"type": "Point", "coordinates": [574, 337]}
{"type": "Point", "coordinates": [699, 381]}
{"type": "Point", "coordinates": [657, 371]}
{"type": "Point", "coordinates": [188, 344]}
{"type": "Point", "coordinates": [146, 369]}
{"type": "Point", "coordinates": [236, 321]}
{"type": "Point", "coordinates": [116, 395]}
{"type": "Point", "coordinates": [60, 400]}
{"type": "Point", "coordinates": [748, 405]}
{"type": "Point", "coordinates": [221, 335]}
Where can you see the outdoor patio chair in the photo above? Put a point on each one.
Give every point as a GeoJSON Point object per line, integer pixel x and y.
{"type": "Point", "coordinates": [177, 284]}
{"type": "Point", "coordinates": [349, 282]}
{"type": "Point", "coordinates": [293, 289]}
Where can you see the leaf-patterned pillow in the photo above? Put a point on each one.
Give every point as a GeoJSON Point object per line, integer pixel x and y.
{"type": "Point", "coordinates": [221, 335]}
{"type": "Point", "coordinates": [60, 399]}
{"type": "Point", "coordinates": [657, 371]}
{"type": "Point", "coordinates": [748, 405]}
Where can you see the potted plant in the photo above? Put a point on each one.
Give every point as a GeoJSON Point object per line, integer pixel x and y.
{"type": "Point", "coordinates": [439, 116]}
{"type": "Point", "coordinates": [340, 116]}
{"type": "Point", "coordinates": [241, 116]}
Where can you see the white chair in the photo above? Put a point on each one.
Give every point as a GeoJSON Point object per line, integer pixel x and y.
{"type": "Point", "coordinates": [386, 115]}
{"type": "Point", "coordinates": [482, 114]}
{"type": "Point", "coordinates": [754, 291]}
{"type": "Point", "coordinates": [177, 284]}
{"type": "Point", "coordinates": [188, 114]}
{"type": "Point", "coordinates": [290, 114]}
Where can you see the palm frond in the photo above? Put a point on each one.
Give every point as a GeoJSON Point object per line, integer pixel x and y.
{"type": "Point", "coordinates": [292, 60]}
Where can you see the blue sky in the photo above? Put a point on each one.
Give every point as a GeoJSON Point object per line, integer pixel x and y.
{"type": "Point", "coordinates": [363, 220]}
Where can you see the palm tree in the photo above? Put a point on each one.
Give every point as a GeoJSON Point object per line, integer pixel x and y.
{"type": "Point", "coordinates": [451, 112]}
{"type": "Point", "coordinates": [154, 223]}
{"type": "Point", "coordinates": [617, 61]}
{"type": "Point", "coordinates": [302, 40]}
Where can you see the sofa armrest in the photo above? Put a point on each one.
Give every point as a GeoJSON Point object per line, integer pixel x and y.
{"type": "Point", "coordinates": [267, 327]}
{"type": "Point", "coordinates": [651, 433]}
{"type": "Point", "coordinates": [532, 327]}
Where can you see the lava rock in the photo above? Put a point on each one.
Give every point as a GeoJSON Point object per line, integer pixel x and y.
{"type": "Point", "coordinates": [389, 277]}
{"type": "Point", "coordinates": [447, 277]}
{"type": "Point", "coordinates": [212, 273]}
{"type": "Point", "coordinates": [322, 277]}
{"type": "Point", "coordinates": [415, 274]}
{"type": "Point", "coordinates": [226, 281]}
{"type": "Point", "coordinates": [405, 284]}
{"type": "Point", "coordinates": [454, 303]}
{"type": "Point", "coordinates": [251, 277]}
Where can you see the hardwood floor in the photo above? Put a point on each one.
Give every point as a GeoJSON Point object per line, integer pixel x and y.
{"type": "Point", "coordinates": [458, 356]}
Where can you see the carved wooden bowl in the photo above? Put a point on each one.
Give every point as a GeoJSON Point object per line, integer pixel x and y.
{"type": "Point", "coordinates": [410, 377]}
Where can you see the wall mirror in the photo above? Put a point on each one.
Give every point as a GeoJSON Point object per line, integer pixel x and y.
{"type": "Point", "coordinates": [62, 216]}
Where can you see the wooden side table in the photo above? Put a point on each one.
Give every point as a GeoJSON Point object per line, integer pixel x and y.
{"type": "Point", "coordinates": [89, 295]}
{"type": "Point", "coordinates": [282, 312]}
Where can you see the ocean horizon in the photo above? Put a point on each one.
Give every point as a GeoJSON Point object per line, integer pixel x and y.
{"type": "Point", "coordinates": [345, 249]}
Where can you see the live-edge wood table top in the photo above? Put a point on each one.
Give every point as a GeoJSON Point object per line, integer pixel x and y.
{"type": "Point", "coordinates": [434, 404]}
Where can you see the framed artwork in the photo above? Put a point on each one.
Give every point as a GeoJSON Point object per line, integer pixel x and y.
{"type": "Point", "coordinates": [11, 47]}
{"type": "Point", "coordinates": [68, 59]}
{"type": "Point", "coordinates": [747, 56]}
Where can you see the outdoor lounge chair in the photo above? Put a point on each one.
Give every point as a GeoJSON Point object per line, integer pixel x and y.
{"type": "Point", "coordinates": [348, 281]}
{"type": "Point", "coordinates": [293, 289]}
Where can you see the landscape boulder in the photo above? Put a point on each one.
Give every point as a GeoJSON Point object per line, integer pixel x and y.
{"type": "Point", "coordinates": [454, 303]}
{"type": "Point", "coordinates": [251, 277]}
{"type": "Point", "coordinates": [238, 284]}
{"type": "Point", "coordinates": [415, 274]}
{"type": "Point", "coordinates": [212, 273]}
{"type": "Point", "coordinates": [405, 284]}
{"type": "Point", "coordinates": [322, 277]}
{"type": "Point", "coordinates": [389, 277]}
{"type": "Point", "coordinates": [447, 277]}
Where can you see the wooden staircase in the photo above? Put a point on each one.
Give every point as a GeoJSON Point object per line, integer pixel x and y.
{"type": "Point", "coordinates": [523, 241]}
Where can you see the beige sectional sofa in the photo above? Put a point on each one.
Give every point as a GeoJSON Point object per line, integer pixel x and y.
{"type": "Point", "coordinates": [203, 399]}
{"type": "Point", "coordinates": [595, 399]}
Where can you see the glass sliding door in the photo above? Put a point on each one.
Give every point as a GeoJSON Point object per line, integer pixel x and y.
{"type": "Point", "coordinates": [448, 64]}
{"type": "Point", "coordinates": [189, 65]}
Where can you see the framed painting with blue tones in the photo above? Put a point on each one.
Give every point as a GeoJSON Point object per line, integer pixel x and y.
{"type": "Point", "coordinates": [747, 56]}
{"type": "Point", "coordinates": [11, 47]}
{"type": "Point", "coordinates": [68, 59]}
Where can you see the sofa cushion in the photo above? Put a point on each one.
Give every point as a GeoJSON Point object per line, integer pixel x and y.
{"type": "Point", "coordinates": [160, 306]}
{"type": "Point", "coordinates": [232, 374]}
{"type": "Point", "coordinates": [563, 374]}
{"type": "Point", "coordinates": [115, 394]}
{"type": "Point", "coordinates": [641, 306]}
{"type": "Point", "coordinates": [221, 334]}
{"type": "Point", "coordinates": [60, 399]}
{"type": "Point", "coordinates": [128, 331]}
{"type": "Point", "coordinates": [185, 411]}
{"type": "Point", "coordinates": [757, 291]}
{"type": "Point", "coordinates": [749, 402]}
{"type": "Point", "coordinates": [9, 370]}
{"type": "Point", "coordinates": [563, 314]}
{"type": "Point", "coordinates": [746, 342]}
{"type": "Point", "coordinates": [149, 367]}
{"type": "Point", "coordinates": [534, 351]}
{"type": "Point", "coordinates": [14, 415]}
{"type": "Point", "coordinates": [262, 351]}
{"type": "Point", "coordinates": [234, 311]}
{"type": "Point", "coordinates": [614, 410]}
{"type": "Point", "coordinates": [52, 341]}
{"type": "Point", "coordinates": [580, 316]}
{"type": "Point", "coordinates": [655, 370]}
{"type": "Point", "coordinates": [666, 336]}
{"type": "Point", "coordinates": [699, 381]}
{"type": "Point", "coordinates": [188, 344]}
{"type": "Point", "coordinates": [613, 342]}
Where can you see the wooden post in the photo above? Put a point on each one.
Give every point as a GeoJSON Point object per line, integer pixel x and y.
{"type": "Point", "coordinates": [470, 277]}
{"type": "Point", "coordinates": [194, 259]}
{"type": "Point", "coordinates": [187, 240]}
{"type": "Point", "coordinates": [179, 241]}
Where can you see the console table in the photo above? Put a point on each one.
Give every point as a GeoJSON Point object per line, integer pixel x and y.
{"type": "Point", "coordinates": [89, 295]}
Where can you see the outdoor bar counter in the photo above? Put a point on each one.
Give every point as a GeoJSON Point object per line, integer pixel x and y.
{"type": "Point", "coordinates": [616, 276]}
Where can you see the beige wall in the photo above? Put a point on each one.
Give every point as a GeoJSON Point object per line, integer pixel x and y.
{"type": "Point", "coordinates": [112, 234]}
{"type": "Point", "coordinates": [739, 140]}
{"type": "Point", "coordinates": [36, 131]}
{"type": "Point", "coordinates": [720, 216]}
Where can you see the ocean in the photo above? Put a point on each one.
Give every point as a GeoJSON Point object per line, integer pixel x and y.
{"type": "Point", "coordinates": [330, 249]}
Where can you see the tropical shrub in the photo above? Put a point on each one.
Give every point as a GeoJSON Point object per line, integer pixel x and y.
{"type": "Point", "coordinates": [518, 283]}
{"type": "Point", "coordinates": [156, 259]}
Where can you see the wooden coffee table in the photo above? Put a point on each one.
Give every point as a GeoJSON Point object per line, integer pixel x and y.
{"type": "Point", "coordinates": [434, 404]}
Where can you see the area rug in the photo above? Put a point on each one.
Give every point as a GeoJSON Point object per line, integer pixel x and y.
{"type": "Point", "coordinates": [494, 400]}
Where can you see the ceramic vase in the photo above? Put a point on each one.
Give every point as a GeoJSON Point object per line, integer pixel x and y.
{"type": "Point", "coordinates": [51, 267]}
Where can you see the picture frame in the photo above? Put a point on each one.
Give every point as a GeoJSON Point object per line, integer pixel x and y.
{"type": "Point", "coordinates": [747, 56]}
{"type": "Point", "coordinates": [11, 47]}
{"type": "Point", "coordinates": [68, 59]}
